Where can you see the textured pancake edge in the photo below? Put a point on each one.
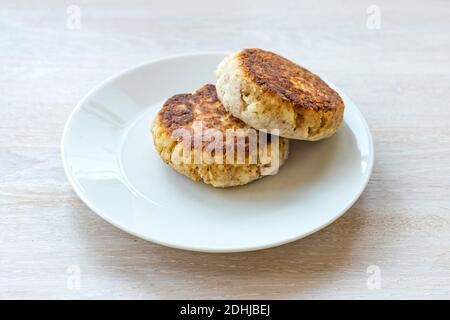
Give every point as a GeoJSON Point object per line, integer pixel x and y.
{"type": "Point", "coordinates": [264, 110]}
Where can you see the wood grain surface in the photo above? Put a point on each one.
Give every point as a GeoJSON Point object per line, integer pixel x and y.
{"type": "Point", "coordinates": [53, 246]}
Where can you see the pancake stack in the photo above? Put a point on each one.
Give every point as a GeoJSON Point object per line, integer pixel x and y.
{"type": "Point", "coordinates": [238, 130]}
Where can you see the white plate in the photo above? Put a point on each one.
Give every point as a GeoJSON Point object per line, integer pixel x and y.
{"type": "Point", "coordinates": [109, 159]}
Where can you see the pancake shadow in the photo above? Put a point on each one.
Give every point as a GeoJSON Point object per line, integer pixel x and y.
{"type": "Point", "coordinates": [303, 267]}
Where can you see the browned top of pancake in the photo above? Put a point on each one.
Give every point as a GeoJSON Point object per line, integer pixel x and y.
{"type": "Point", "coordinates": [287, 80]}
{"type": "Point", "coordinates": [183, 111]}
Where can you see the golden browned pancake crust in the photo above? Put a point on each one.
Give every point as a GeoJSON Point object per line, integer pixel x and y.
{"type": "Point", "coordinates": [269, 92]}
{"type": "Point", "coordinates": [182, 110]}
{"type": "Point", "coordinates": [286, 79]}
{"type": "Point", "coordinates": [185, 113]}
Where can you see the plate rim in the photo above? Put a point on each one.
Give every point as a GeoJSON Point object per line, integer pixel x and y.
{"type": "Point", "coordinates": [79, 192]}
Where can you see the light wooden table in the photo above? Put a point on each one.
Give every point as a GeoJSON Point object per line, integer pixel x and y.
{"type": "Point", "coordinates": [53, 246]}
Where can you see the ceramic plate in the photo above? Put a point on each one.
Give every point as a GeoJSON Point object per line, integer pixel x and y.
{"type": "Point", "coordinates": [110, 160]}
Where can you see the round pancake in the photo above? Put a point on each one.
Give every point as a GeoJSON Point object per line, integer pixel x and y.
{"type": "Point", "coordinates": [267, 91]}
{"type": "Point", "coordinates": [195, 135]}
